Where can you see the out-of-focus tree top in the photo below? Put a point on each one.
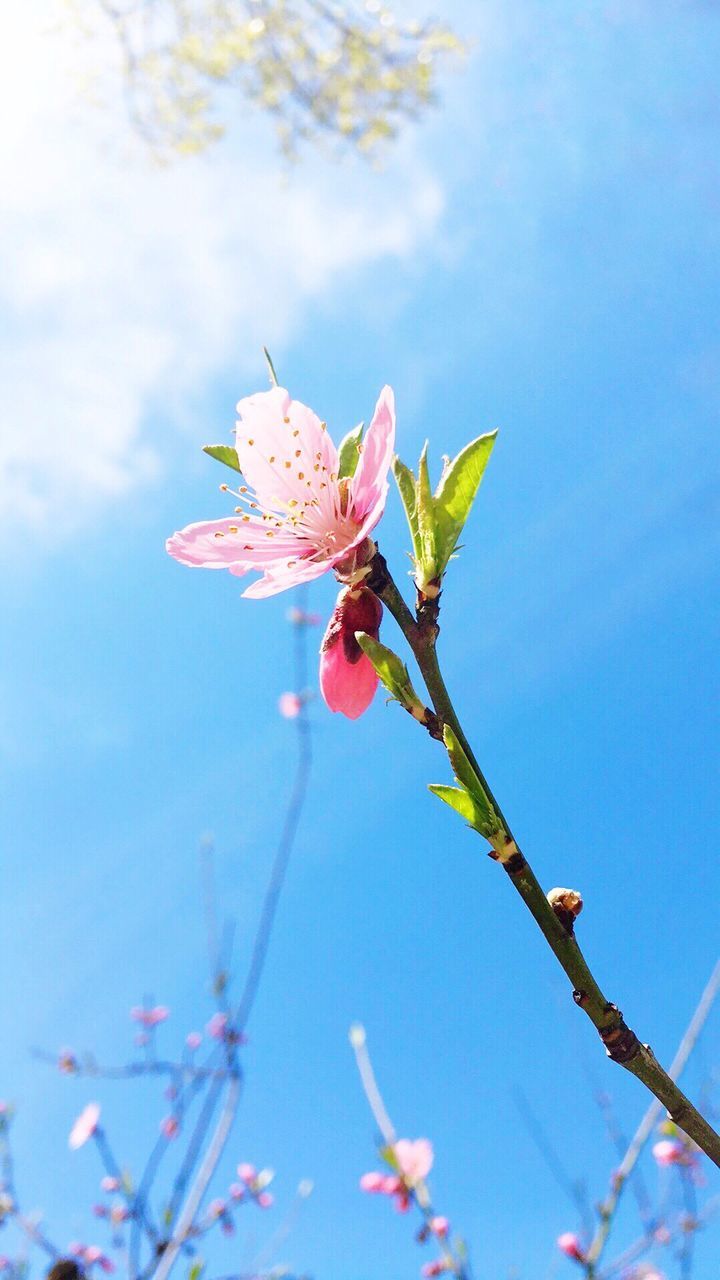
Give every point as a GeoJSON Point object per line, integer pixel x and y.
{"type": "Point", "coordinates": [352, 73]}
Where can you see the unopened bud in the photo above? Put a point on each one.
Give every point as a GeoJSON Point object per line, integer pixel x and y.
{"type": "Point", "coordinates": [567, 905]}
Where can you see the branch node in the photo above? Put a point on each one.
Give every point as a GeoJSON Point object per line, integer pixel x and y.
{"type": "Point", "coordinates": [621, 1044]}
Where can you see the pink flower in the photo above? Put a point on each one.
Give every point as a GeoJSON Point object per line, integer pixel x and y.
{"type": "Point", "coordinates": [170, 1127]}
{"type": "Point", "coordinates": [216, 1208]}
{"type": "Point", "coordinates": [373, 1183]}
{"type": "Point", "coordinates": [569, 1244]}
{"type": "Point", "coordinates": [289, 705]}
{"type": "Point", "coordinates": [109, 1183]}
{"type": "Point", "coordinates": [392, 1185]}
{"type": "Point", "coordinates": [193, 1040]}
{"type": "Point", "coordinates": [150, 1017]}
{"type": "Point", "coordinates": [440, 1227]}
{"type": "Point", "coordinates": [247, 1173]}
{"type": "Point", "coordinates": [236, 1191]}
{"type": "Point", "coordinates": [433, 1268]}
{"type": "Point", "coordinates": [670, 1151]}
{"type": "Point", "coordinates": [84, 1127]}
{"type": "Point", "coordinates": [415, 1159]}
{"type": "Point", "coordinates": [347, 677]}
{"type": "Point", "coordinates": [302, 519]}
{"type": "Point", "coordinates": [265, 1199]}
{"type": "Point", "coordinates": [119, 1213]}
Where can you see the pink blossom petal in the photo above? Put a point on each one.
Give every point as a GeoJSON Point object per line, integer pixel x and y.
{"type": "Point", "coordinates": [372, 1182]}
{"type": "Point", "coordinates": [279, 578]}
{"type": "Point", "coordinates": [220, 544]}
{"type": "Point", "coordinates": [369, 487]}
{"type": "Point", "coordinates": [263, 434]}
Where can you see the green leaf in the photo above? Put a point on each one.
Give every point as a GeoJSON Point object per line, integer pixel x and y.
{"type": "Point", "coordinates": [463, 803]}
{"type": "Point", "coordinates": [349, 453]}
{"type": "Point", "coordinates": [405, 480]}
{"type": "Point", "coordinates": [196, 1270]}
{"type": "Point", "coordinates": [392, 671]}
{"type": "Point", "coordinates": [223, 453]}
{"type": "Point", "coordinates": [487, 820]}
{"type": "Point", "coordinates": [426, 519]}
{"type": "Point", "coordinates": [456, 493]}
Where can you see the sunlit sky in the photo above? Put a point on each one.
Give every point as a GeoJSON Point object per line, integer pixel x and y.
{"type": "Point", "coordinates": [539, 255]}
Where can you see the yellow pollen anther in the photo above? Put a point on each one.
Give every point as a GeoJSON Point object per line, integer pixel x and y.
{"type": "Point", "coordinates": [233, 528]}
{"type": "Point", "coordinates": [269, 534]}
{"type": "Point", "coordinates": [243, 488]}
{"type": "Point", "coordinates": [271, 458]}
{"type": "Point", "coordinates": [218, 534]}
{"type": "Point", "coordinates": [286, 419]}
{"type": "Point", "coordinates": [298, 453]}
{"type": "Point", "coordinates": [288, 464]}
{"type": "Point", "coordinates": [301, 475]}
{"type": "Point", "coordinates": [223, 488]}
{"type": "Point", "coordinates": [292, 502]}
{"type": "Point", "coordinates": [251, 441]}
{"type": "Point", "coordinates": [296, 432]}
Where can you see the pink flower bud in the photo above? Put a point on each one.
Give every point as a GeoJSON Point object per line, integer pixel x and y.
{"type": "Point", "coordinates": [119, 1213]}
{"type": "Point", "coordinates": [108, 1183]}
{"type": "Point", "coordinates": [247, 1173]}
{"type": "Point", "coordinates": [372, 1182]}
{"type": "Point", "coordinates": [440, 1227]}
{"type": "Point", "coordinates": [569, 1244]}
{"type": "Point", "coordinates": [194, 1040]}
{"type": "Point", "coordinates": [217, 1025]}
{"type": "Point", "coordinates": [347, 677]}
{"type": "Point", "coordinates": [289, 705]}
{"type": "Point", "coordinates": [236, 1192]}
{"type": "Point", "coordinates": [433, 1268]}
{"type": "Point", "coordinates": [669, 1151]}
{"type": "Point", "coordinates": [170, 1127]}
{"type": "Point", "coordinates": [216, 1208]}
{"type": "Point", "coordinates": [265, 1199]}
{"type": "Point", "coordinates": [391, 1184]}
{"type": "Point", "coordinates": [401, 1203]}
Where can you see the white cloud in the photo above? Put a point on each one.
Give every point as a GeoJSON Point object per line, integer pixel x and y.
{"type": "Point", "coordinates": [127, 286]}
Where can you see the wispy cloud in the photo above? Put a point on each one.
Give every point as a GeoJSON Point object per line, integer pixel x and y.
{"type": "Point", "coordinates": [127, 287]}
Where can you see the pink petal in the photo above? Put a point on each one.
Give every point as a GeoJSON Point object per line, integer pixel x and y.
{"type": "Point", "coordinates": [224, 544]}
{"type": "Point", "coordinates": [263, 422]}
{"type": "Point", "coordinates": [278, 578]}
{"type": "Point", "coordinates": [369, 488]}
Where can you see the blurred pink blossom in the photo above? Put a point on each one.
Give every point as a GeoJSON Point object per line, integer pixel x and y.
{"type": "Point", "coordinates": [435, 1268]}
{"type": "Point", "coordinates": [170, 1127]}
{"type": "Point", "coordinates": [247, 1173]}
{"type": "Point", "coordinates": [236, 1191]}
{"type": "Point", "coordinates": [193, 1040]}
{"type": "Point", "coordinates": [373, 1183]}
{"type": "Point", "coordinates": [84, 1127]}
{"type": "Point", "coordinates": [216, 1026]}
{"type": "Point", "coordinates": [216, 1208]}
{"type": "Point", "coordinates": [265, 1199]}
{"type": "Point", "coordinates": [290, 705]}
{"type": "Point", "coordinates": [109, 1183]}
{"type": "Point", "coordinates": [569, 1244]}
{"type": "Point", "coordinates": [300, 618]}
{"type": "Point", "coordinates": [440, 1227]}
{"type": "Point", "coordinates": [150, 1017]}
{"type": "Point", "coordinates": [671, 1151]}
{"type": "Point", "coordinates": [414, 1158]}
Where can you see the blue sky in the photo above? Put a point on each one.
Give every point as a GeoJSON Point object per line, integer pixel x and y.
{"type": "Point", "coordinates": [542, 256]}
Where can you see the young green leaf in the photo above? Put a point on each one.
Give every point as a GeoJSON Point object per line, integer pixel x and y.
{"type": "Point", "coordinates": [405, 480]}
{"type": "Point", "coordinates": [223, 453]}
{"type": "Point", "coordinates": [464, 804]}
{"type": "Point", "coordinates": [392, 671]}
{"type": "Point", "coordinates": [456, 493]}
